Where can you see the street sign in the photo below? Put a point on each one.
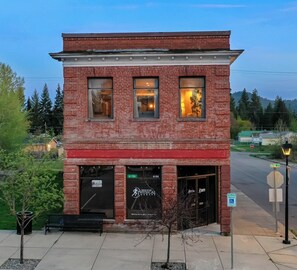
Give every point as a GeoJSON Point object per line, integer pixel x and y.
{"type": "Point", "coordinates": [274, 165]}
{"type": "Point", "coordinates": [275, 179]}
{"type": "Point", "coordinates": [231, 200]}
{"type": "Point", "coordinates": [278, 193]}
{"type": "Point", "coordinates": [131, 175]}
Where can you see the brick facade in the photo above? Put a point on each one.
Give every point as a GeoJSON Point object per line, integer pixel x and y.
{"type": "Point", "coordinates": [168, 141]}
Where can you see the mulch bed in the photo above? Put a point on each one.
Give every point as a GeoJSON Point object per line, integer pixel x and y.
{"type": "Point", "coordinates": [14, 264]}
{"type": "Point", "coordinates": [172, 266]}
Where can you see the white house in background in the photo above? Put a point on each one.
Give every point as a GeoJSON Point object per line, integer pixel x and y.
{"type": "Point", "coordinates": [265, 137]}
{"type": "Point", "coordinates": [271, 138]}
{"type": "Point", "coordinates": [249, 136]}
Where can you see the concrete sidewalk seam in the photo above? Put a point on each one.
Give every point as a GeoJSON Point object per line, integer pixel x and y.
{"type": "Point", "coordinates": [99, 250]}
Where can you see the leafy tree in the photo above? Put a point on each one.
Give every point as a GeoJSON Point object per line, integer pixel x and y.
{"type": "Point", "coordinates": [13, 123]}
{"type": "Point", "coordinates": [10, 82]}
{"type": "Point", "coordinates": [293, 124]}
{"type": "Point", "coordinates": [28, 185]}
{"type": "Point", "coordinates": [58, 111]}
{"type": "Point", "coordinates": [244, 105]}
{"type": "Point", "coordinates": [174, 211]}
{"type": "Point", "coordinates": [45, 109]}
{"type": "Point", "coordinates": [256, 110]}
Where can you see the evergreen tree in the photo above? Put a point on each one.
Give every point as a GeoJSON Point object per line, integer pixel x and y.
{"type": "Point", "coordinates": [280, 112]}
{"type": "Point", "coordinates": [267, 122]}
{"type": "Point", "coordinates": [28, 105]}
{"type": "Point", "coordinates": [233, 106]}
{"type": "Point", "coordinates": [244, 105]}
{"type": "Point", "coordinates": [58, 111]}
{"type": "Point", "coordinates": [45, 110]}
{"type": "Point", "coordinates": [34, 114]}
{"type": "Point", "coordinates": [256, 110]}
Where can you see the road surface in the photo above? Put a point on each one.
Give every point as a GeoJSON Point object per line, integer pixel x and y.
{"type": "Point", "coordinates": [249, 175]}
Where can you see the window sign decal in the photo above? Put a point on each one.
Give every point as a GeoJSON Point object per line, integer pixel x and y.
{"type": "Point", "coordinates": [144, 192]}
{"type": "Point", "coordinates": [96, 183]}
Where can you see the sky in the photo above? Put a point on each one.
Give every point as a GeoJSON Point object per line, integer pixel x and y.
{"type": "Point", "coordinates": [265, 29]}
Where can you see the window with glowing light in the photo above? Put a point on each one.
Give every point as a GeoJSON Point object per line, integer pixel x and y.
{"type": "Point", "coordinates": [146, 103]}
{"type": "Point", "coordinates": [192, 97]}
{"type": "Point", "coordinates": [100, 98]}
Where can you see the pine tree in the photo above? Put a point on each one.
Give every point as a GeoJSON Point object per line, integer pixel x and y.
{"type": "Point", "coordinates": [28, 105]}
{"type": "Point", "coordinates": [267, 117]}
{"type": "Point", "coordinates": [58, 111]}
{"type": "Point", "coordinates": [244, 105]}
{"type": "Point", "coordinates": [34, 114]}
{"type": "Point", "coordinates": [45, 110]}
{"type": "Point", "coordinates": [256, 110]}
{"type": "Point", "coordinates": [280, 112]}
{"type": "Point", "coordinates": [233, 106]}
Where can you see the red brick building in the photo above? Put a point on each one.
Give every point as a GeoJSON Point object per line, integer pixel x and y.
{"type": "Point", "coordinates": [147, 114]}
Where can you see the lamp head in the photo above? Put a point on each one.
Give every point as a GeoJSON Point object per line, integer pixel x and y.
{"type": "Point", "coordinates": [287, 147]}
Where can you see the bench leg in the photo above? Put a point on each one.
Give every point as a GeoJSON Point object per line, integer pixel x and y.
{"type": "Point", "coordinates": [46, 229]}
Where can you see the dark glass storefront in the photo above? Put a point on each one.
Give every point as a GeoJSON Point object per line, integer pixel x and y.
{"type": "Point", "coordinates": [143, 192]}
{"type": "Point", "coordinates": [198, 184]}
{"type": "Point", "coordinates": [97, 190]}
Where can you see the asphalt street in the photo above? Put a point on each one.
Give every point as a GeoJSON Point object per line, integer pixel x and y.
{"type": "Point", "coordinates": [249, 175]}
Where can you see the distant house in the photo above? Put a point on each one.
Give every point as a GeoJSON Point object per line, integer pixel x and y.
{"type": "Point", "coordinates": [249, 136]}
{"type": "Point", "coordinates": [46, 145]}
{"type": "Point", "coordinates": [272, 138]}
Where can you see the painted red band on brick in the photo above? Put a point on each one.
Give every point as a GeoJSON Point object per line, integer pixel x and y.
{"type": "Point", "coordinates": [146, 154]}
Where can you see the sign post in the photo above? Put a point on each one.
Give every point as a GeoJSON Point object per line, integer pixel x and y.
{"type": "Point", "coordinates": [231, 202]}
{"type": "Point", "coordinates": [275, 179]}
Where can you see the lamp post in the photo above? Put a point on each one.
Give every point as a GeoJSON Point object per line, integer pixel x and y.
{"type": "Point", "coordinates": [286, 148]}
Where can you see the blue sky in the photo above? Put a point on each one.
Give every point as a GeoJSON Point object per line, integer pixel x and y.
{"type": "Point", "coordinates": [266, 30]}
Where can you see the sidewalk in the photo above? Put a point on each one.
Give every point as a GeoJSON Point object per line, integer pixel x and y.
{"type": "Point", "coordinates": [256, 246]}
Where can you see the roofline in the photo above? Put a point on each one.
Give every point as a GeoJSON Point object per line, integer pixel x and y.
{"type": "Point", "coordinates": [146, 34]}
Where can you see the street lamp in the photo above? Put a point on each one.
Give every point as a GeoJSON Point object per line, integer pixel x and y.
{"type": "Point", "coordinates": [287, 147]}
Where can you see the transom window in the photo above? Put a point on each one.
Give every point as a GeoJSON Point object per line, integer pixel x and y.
{"type": "Point", "coordinates": [100, 98]}
{"type": "Point", "coordinates": [146, 103]}
{"type": "Point", "coordinates": [192, 97]}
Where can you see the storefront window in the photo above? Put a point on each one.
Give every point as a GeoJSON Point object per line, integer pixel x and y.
{"type": "Point", "coordinates": [97, 190]}
{"type": "Point", "coordinates": [146, 103]}
{"type": "Point", "coordinates": [143, 192]}
{"type": "Point", "coordinates": [100, 98]}
{"type": "Point", "coordinates": [192, 97]}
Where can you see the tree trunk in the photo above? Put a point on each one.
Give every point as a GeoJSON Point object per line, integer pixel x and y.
{"type": "Point", "coordinates": [22, 225]}
{"type": "Point", "coordinates": [166, 265]}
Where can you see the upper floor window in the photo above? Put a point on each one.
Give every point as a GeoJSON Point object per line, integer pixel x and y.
{"type": "Point", "coordinates": [146, 103]}
{"type": "Point", "coordinates": [192, 97]}
{"type": "Point", "coordinates": [100, 98]}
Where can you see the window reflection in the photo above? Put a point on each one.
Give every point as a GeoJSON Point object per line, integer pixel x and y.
{"type": "Point", "coordinates": [192, 97]}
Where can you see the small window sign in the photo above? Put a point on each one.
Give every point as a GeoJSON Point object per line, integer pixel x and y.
{"type": "Point", "coordinates": [132, 175]}
{"type": "Point", "coordinates": [231, 200]}
{"type": "Point", "coordinates": [96, 183]}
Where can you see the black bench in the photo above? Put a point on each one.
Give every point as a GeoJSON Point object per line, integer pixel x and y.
{"type": "Point", "coordinates": [83, 222]}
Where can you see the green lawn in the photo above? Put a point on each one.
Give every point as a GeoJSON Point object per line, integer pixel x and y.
{"type": "Point", "coordinates": [7, 222]}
